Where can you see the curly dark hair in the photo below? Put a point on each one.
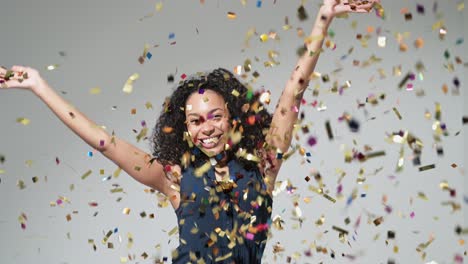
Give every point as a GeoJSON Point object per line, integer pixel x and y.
{"type": "Point", "coordinates": [168, 142]}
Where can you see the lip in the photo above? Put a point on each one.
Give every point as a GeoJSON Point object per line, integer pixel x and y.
{"type": "Point", "coordinates": [211, 144]}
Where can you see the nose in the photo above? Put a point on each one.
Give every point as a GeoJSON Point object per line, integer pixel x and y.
{"type": "Point", "coordinates": [208, 129]}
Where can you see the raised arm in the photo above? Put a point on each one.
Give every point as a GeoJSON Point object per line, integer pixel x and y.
{"type": "Point", "coordinates": [129, 158]}
{"type": "Point", "coordinates": [286, 112]}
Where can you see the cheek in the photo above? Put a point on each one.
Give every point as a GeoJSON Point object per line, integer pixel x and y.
{"type": "Point", "coordinates": [225, 126]}
{"type": "Point", "coordinates": [193, 133]}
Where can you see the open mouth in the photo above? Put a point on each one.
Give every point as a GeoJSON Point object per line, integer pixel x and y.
{"type": "Point", "coordinates": [209, 142]}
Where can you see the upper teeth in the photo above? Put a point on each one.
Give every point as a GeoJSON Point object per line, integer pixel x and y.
{"type": "Point", "coordinates": [210, 140]}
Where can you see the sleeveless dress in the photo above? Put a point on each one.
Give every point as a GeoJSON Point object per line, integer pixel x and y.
{"type": "Point", "coordinates": [222, 223]}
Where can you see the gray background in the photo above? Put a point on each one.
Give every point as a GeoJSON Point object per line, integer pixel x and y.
{"type": "Point", "coordinates": [102, 41]}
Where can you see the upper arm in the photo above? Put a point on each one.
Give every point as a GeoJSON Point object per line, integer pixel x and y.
{"type": "Point", "coordinates": [139, 165]}
{"type": "Point", "coordinates": [269, 166]}
{"type": "Point", "coordinates": [284, 119]}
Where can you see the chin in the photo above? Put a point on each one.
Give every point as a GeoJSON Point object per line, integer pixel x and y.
{"type": "Point", "coordinates": [212, 152]}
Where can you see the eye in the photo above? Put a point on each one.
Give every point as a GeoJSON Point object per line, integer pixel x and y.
{"type": "Point", "coordinates": [194, 121]}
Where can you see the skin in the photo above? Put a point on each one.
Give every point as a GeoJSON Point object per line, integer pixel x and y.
{"type": "Point", "coordinates": [207, 116]}
{"type": "Point", "coordinates": [137, 163]}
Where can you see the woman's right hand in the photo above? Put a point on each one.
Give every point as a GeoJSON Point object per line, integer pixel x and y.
{"type": "Point", "coordinates": [21, 77]}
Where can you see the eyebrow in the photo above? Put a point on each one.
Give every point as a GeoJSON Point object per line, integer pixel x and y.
{"type": "Point", "coordinates": [210, 112]}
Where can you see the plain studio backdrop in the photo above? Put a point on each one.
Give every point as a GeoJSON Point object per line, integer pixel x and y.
{"type": "Point", "coordinates": [54, 211]}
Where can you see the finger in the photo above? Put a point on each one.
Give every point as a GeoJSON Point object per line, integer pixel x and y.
{"type": "Point", "coordinates": [17, 72]}
{"type": "Point", "coordinates": [18, 68]}
{"type": "Point", "coordinates": [3, 71]}
{"type": "Point", "coordinates": [11, 83]}
{"type": "Point", "coordinates": [355, 7]}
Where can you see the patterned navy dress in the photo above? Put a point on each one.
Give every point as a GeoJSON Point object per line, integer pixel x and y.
{"type": "Point", "coordinates": [222, 223]}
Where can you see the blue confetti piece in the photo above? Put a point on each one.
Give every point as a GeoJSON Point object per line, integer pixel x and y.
{"type": "Point", "coordinates": [116, 230]}
{"type": "Point", "coordinates": [171, 35]}
{"type": "Point", "coordinates": [149, 55]}
{"type": "Point", "coordinates": [350, 200]}
{"type": "Point", "coordinates": [308, 154]}
{"type": "Point", "coordinates": [363, 195]}
{"type": "Point", "coordinates": [90, 153]}
{"type": "Point", "coordinates": [259, 3]}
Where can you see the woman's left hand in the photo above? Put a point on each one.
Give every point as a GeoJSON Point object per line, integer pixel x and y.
{"type": "Point", "coordinates": [332, 8]}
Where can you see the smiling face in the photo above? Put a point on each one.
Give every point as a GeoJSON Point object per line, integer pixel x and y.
{"type": "Point", "coordinates": [207, 119]}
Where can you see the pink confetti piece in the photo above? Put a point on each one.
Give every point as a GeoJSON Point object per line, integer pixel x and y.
{"type": "Point", "coordinates": [249, 236]}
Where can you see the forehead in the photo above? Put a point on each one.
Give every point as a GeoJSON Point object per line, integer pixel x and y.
{"type": "Point", "coordinates": [205, 101]}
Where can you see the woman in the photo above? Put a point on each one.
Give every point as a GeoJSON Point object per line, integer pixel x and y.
{"type": "Point", "coordinates": [216, 150]}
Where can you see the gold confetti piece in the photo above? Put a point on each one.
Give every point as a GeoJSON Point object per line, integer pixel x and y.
{"type": "Point", "coordinates": [320, 221]}
{"type": "Point", "coordinates": [68, 217]}
{"type": "Point", "coordinates": [422, 196]}
{"type": "Point", "coordinates": [23, 121]}
{"type": "Point", "coordinates": [159, 6]}
{"type": "Point", "coordinates": [221, 258]}
{"type": "Point", "coordinates": [264, 38]}
{"type": "Point", "coordinates": [52, 67]}
{"type": "Point", "coordinates": [21, 185]}
{"type": "Point", "coordinates": [86, 174]}
{"type": "Point", "coordinates": [95, 90]}
{"type": "Point", "coordinates": [117, 172]}
{"type": "Point", "coordinates": [116, 190]}
{"type": "Point", "coordinates": [202, 169]}
{"type": "Point", "coordinates": [444, 185]}
{"type": "Point", "coordinates": [404, 80]}
{"type": "Point", "coordinates": [248, 36]}
{"type": "Point", "coordinates": [173, 231]}
{"type": "Point", "coordinates": [341, 230]}
{"type": "Point", "coordinates": [329, 130]}
{"type": "Point", "coordinates": [247, 65]}
{"type": "Point", "coordinates": [397, 113]}
{"type": "Point", "coordinates": [374, 154]}
{"type": "Point", "coordinates": [423, 246]}
{"type": "Point", "coordinates": [126, 211]}
{"type": "Point", "coordinates": [331, 199]}
{"type": "Point", "coordinates": [265, 97]}
{"type": "Point", "coordinates": [438, 111]}
{"type": "Point", "coordinates": [427, 167]}
{"type": "Point", "coordinates": [148, 105]}
{"type": "Point", "coordinates": [106, 237]}
{"type": "Point", "coordinates": [378, 221]}
{"type": "Point", "coordinates": [231, 15]}
{"type": "Point", "coordinates": [128, 87]}
{"type": "Point", "coordinates": [142, 134]}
